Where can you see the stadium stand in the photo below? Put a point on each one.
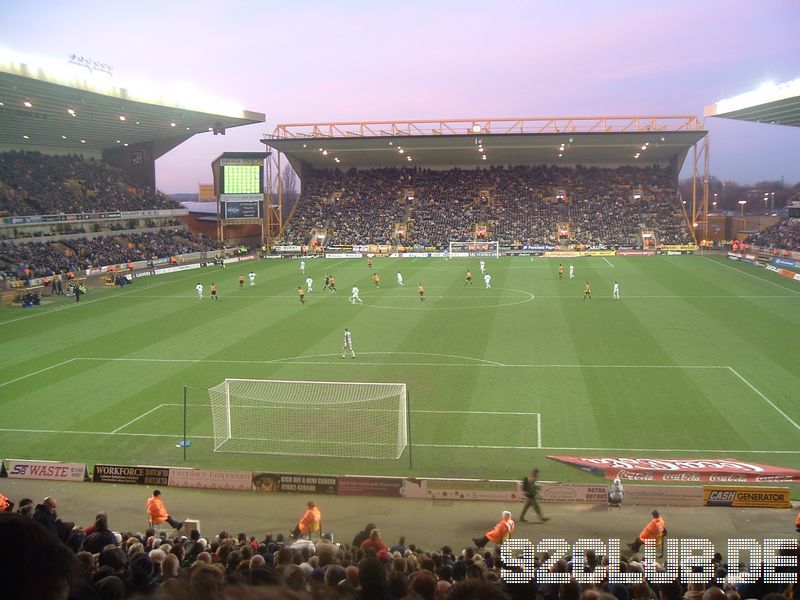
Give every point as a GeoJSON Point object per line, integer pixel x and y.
{"type": "Point", "coordinates": [46, 258]}
{"type": "Point", "coordinates": [96, 561]}
{"type": "Point", "coordinates": [520, 205]}
{"type": "Point", "coordinates": [784, 235]}
{"type": "Point", "coordinates": [32, 184]}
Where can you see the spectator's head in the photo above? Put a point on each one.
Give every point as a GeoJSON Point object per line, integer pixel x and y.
{"type": "Point", "coordinates": [423, 584]}
{"type": "Point", "coordinates": [32, 564]}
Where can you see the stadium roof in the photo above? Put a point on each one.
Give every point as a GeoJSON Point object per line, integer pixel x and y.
{"type": "Point", "coordinates": [588, 141]}
{"type": "Point", "coordinates": [71, 106]}
{"type": "Point", "coordinates": [774, 104]}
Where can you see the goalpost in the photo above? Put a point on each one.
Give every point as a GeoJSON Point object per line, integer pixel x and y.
{"type": "Point", "coordinates": [310, 418]}
{"type": "Point", "coordinates": [466, 249]}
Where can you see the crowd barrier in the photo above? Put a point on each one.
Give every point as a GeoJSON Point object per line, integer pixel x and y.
{"type": "Point", "coordinates": [397, 487]}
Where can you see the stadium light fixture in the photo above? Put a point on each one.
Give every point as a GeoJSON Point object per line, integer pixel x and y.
{"type": "Point", "coordinates": [26, 137]}
{"type": "Point", "coordinates": [172, 124]}
{"type": "Point", "coordinates": [27, 104]}
{"type": "Point", "coordinates": [71, 112]}
{"type": "Point", "coordinates": [408, 158]}
{"type": "Point", "coordinates": [336, 158]}
{"type": "Point", "coordinates": [483, 157]}
{"type": "Point", "coordinates": [401, 151]}
{"type": "Point", "coordinates": [83, 141]}
{"type": "Point", "coordinates": [644, 147]}
{"type": "Point", "coordinates": [122, 117]}
{"type": "Point", "coordinates": [63, 137]}
{"type": "Point", "coordinates": [476, 128]}
{"type": "Point", "coordinates": [119, 141]}
{"type": "Point", "coordinates": [766, 92]}
{"type": "Point", "coordinates": [560, 155]}
{"type": "Point", "coordinates": [125, 144]}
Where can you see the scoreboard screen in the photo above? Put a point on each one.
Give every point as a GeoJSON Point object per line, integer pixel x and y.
{"type": "Point", "coordinates": [241, 210]}
{"type": "Point", "coordinates": [242, 179]}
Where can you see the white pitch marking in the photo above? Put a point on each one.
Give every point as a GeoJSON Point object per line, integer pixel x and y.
{"type": "Point", "coordinates": [742, 272]}
{"type": "Point", "coordinates": [209, 437]}
{"type": "Point", "coordinates": [56, 309]}
{"type": "Point", "coordinates": [5, 383]}
{"type": "Point", "coordinates": [155, 408]}
{"type": "Point", "coordinates": [608, 261]}
{"type": "Point", "coordinates": [763, 397]}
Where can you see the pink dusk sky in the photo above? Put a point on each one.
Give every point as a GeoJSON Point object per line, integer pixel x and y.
{"type": "Point", "coordinates": [343, 61]}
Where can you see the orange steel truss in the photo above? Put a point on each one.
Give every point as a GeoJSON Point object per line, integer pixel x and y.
{"type": "Point", "coordinates": [606, 124]}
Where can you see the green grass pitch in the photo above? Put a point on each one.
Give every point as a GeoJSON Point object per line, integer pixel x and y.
{"type": "Point", "coordinates": [698, 359]}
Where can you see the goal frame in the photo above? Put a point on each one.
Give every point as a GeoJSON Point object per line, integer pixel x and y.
{"type": "Point", "coordinates": [403, 417]}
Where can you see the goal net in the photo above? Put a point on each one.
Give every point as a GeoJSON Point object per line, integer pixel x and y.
{"type": "Point", "coordinates": [465, 249]}
{"type": "Point", "coordinates": [310, 418]}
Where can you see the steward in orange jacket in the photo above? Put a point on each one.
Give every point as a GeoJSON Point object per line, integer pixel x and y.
{"type": "Point", "coordinates": [797, 523]}
{"type": "Point", "coordinates": [501, 532]}
{"type": "Point", "coordinates": [310, 521]}
{"type": "Point", "coordinates": [5, 504]}
{"type": "Point", "coordinates": [654, 530]}
{"type": "Point", "coordinates": [157, 512]}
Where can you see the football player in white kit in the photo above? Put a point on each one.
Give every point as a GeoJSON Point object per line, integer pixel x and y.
{"type": "Point", "coordinates": [309, 283]}
{"type": "Point", "coordinates": [347, 343]}
{"type": "Point", "coordinates": [303, 267]}
{"type": "Point", "coordinates": [571, 272]}
{"type": "Point", "coordinates": [252, 276]}
{"type": "Point", "coordinates": [199, 289]}
{"type": "Point", "coordinates": [615, 292]}
{"type": "Point", "coordinates": [399, 279]}
{"type": "Point", "coordinates": [354, 298]}
{"type": "Point", "coordinates": [487, 279]}
{"type": "Point", "coordinates": [483, 267]}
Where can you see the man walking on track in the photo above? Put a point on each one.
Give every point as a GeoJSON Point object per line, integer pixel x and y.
{"type": "Point", "coordinates": [530, 487]}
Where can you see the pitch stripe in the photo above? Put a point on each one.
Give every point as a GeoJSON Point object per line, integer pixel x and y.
{"type": "Point", "coordinates": [742, 272]}
{"type": "Point", "coordinates": [5, 383]}
{"type": "Point", "coordinates": [549, 448]}
{"type": "Point", "coordinates": [763, 397]}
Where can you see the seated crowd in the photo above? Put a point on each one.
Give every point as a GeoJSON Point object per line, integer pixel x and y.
{"type": "Point", "coordinates": [520, 205]}
{"type": "Point", "coordinates": [42, 556]}
{"type": "Point", "coordinates": [38, 259]}
{"type": "Point", "coordinates": [784, 235]}
{"type": "Point", "coordinates": [32, 183]}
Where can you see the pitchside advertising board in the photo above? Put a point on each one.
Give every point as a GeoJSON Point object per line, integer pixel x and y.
{"type": "Point", "coordinates": [40, 469]}
{"type": "Point", "coordinates": [688, 470]}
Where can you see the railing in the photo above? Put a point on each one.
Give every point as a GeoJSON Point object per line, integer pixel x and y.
{"type": "Point", "coordinates": [606, 124]}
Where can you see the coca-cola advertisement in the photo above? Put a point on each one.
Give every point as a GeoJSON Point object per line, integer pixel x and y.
{"type": "Point", "coordinates": [682, 470]}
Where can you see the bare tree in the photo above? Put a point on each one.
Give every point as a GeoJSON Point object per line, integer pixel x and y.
{"type": "Point", "coordinates": [290, 180]}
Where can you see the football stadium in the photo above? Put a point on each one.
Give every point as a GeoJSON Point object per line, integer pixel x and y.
{"type": "Point", "coordinates": [447, 305]}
